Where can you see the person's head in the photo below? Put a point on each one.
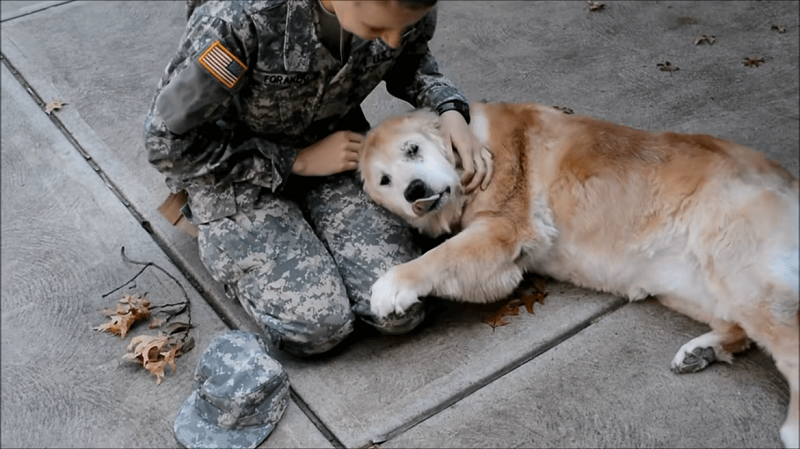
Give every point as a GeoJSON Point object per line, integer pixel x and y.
{"type": "Point", "coordinates": [379, 19]}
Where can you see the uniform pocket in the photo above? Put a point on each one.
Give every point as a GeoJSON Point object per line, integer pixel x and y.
{"type": "Point", "coordinates": [279, 103]}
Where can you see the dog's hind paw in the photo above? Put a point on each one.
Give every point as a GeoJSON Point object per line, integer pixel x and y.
{"type": "Point", "coordinates": [389, 296]}
{"type": "Point", "coordinates": [696, 360]}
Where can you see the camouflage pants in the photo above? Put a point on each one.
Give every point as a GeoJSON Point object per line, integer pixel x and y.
{"type": "Point", "coordinates": [303, 267]}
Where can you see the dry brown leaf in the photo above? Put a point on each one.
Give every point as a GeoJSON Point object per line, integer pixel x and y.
{"type": "Point", "coordinates": [53, 106]}
{"type": "Point", "coordinates": [563, 109]}
{"type": "Point", "coordinates": [169, 356]}
{"type": "Point", "coordinates": [153, 353]}
{"type": "Point", "coordinates": [130, 309]}
{"type": "Point", "coordinates": [156, 322]}
{"type": "Point", "coordinates": [686, 20]}
{"type": "Point", "coordinates": [499, 318]}
{"type": "Point", "coordinates": [117, 325]}
{"type": "Point", "coordinates": [779, 27]}
{"type": "Point", "coordinates": [753, 62]}
{"type": "Point", "coordinates": [667, 66]}
{"type": "Point", "coordinates": [707, 38]}
{"type": "Point", "coordinates": [528, 299]}
{"type": "Point", "coordinates": [596, 6]}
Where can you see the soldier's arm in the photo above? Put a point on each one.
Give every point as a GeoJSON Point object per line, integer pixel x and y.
{"type": "Point", "coordinates": [185, 133]}
{"type": "Point", "coordinates": [415, 76]}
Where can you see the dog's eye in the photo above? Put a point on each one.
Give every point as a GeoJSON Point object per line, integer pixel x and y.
{"type": "Point", "coordinates": [410, 149]}
{"type": "Point", "coordinates": [385, 180]}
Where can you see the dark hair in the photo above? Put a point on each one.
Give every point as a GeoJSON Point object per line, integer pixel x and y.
{"type": "Point", "coordinates": [418, 4]}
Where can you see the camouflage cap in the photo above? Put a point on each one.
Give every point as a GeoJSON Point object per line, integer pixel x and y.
{"type": "Point", "coordinates": [240, 394]}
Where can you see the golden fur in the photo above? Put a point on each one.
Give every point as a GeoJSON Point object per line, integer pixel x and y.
{"type": "Point", "coordinates": [707, 226]}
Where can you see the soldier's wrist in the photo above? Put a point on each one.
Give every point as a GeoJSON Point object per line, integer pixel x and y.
{"type": "Point", "coordinates": [454, 105]}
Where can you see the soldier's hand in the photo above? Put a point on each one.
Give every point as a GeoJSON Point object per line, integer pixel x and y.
{"type": "Point", "coordinates": [334, 154]}
{"type": "Point", "coordinates": [476, 160]}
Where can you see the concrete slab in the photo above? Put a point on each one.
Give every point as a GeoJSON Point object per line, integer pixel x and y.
{"type": "Point", "coordinates": [65, 384]}
{"type": "Point", "coordinates": [611, 386]}
{"type": "Point", "coordinates": [378, 386]}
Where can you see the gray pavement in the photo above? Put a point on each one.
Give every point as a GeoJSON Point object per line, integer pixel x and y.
{"type": "Point", "coordinates": [585, 370]}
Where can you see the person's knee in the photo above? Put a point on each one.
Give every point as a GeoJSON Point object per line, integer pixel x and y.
{"type": "Point", "coordinates": [309, 338]}
{"type": "Point", "coordinates": [394, 324]}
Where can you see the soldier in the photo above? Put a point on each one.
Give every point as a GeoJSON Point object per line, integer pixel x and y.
{"type": "Point", "coordinates": [258, 118]}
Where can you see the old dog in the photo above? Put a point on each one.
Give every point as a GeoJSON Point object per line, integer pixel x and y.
{"type": "Point", "coordinates": [707, 226]}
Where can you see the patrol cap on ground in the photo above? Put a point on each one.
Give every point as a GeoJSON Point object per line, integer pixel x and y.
{"type": "Point", "coordinates": [240, 394]}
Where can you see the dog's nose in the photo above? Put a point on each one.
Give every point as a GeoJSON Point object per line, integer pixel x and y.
{"type": "Point", "coordinates": [415, 191]}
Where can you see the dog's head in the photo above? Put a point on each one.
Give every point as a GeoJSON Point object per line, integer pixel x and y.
{"type": "Point", "coordinates": [407, 168]}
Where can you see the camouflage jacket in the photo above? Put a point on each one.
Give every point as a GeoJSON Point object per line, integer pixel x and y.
{"type": "Point", "coordinates": [251, 84]}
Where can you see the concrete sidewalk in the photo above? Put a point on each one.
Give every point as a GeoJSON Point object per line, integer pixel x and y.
{"type": "Point", "coordinates": [585, 370]}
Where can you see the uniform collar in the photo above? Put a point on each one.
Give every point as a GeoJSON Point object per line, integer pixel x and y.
{"type": "Point", "coordinates": [301, 44]}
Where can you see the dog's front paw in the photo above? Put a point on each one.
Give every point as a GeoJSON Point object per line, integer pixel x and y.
{"type": "Point", "coordinates": [389, 296]}
{"type": "Point", "coordinates": [690, 362]}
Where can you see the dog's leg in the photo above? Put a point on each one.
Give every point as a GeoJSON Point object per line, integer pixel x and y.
{"type": "Point", "coordinates": [788, 360]}
{"type": "Point", "coordinates": [780, 335]}
{"type": "Point", "coordinates": [724, 340]}
{"type": "Point", "coordinates": [477, 265]}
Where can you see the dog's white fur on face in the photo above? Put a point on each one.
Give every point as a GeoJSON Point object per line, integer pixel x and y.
{"type": "Point", "coordinates": [708, 227]}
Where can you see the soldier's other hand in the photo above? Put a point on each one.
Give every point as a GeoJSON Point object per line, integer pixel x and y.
{"type": "Point", "coordinates": [336, 153]}
{"type": "Point", "coordinates": [476, 160]}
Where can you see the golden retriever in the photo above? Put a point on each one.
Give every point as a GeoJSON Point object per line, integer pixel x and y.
{"type": "Point", "coordinates": [707, 226]}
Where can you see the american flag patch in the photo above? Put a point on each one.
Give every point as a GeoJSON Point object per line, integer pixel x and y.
{"type": "Point", "coordinates": [222, 64]}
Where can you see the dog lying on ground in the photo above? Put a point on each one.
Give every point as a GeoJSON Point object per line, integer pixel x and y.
{"type": "Point", "coordinates": [707, 226]}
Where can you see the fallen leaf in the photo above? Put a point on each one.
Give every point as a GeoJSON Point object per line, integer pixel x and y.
{"type": "Point", "coordinates": [708, 38]}
{"type": "Point", "coordinates": [528, 299]}
{"type": "Point", "coordinates": [187, 345]}
{"type": "Point", "coordinates": [117, 325]}
{"type": "Point", "coordinates": [779, 27]}
{"type": "Point", "coordinates": [753, 62]}
{"type": "Point", "coordinates": [499, 318]}
{"type": "Point", "coordinates": [53, 106]}
{"type": "Point", "coordinates": [667, 67]}
{"type": "Point", "coordinates": [596, 6]}
{"type": "Point", "coordinates": [563, 109]}
{"type": "Point", "coordinates": [686, 20]}
{"type": "Point", "coordinates": [153, 353]}
{"type": "Point", "coordinates": [157, 322]}
{"type": "Point", "coordinates": [130, 309]}
{"type": "Point", "coordinates": [178, 327]}
{"type": "Point", "coordinates": [169, 356]}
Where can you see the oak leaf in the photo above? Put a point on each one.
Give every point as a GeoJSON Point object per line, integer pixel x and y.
{"type": "Point", "coordinates": [529, 299]}
{"type": "Point", "coordinates": [130, 309]}
{"type": "Point", "coordinates": [54, 105]}
{"type": "Point", "coordinates": [667, 66]}
{"type": "Point", "coordinates": [779, 27]}
{"type": "Point", "coordinates": [753, 62]}
{"type": "Point", "coordinates": [596, 6]}
{"type": "Point", "coordinates": [563, 109]}
{"type": "Point", "coordinates": [707, 38]}
{"type": "Point", "coordinates": [154, 353]}
{"type": "Point", "coordinates": [498, 318]}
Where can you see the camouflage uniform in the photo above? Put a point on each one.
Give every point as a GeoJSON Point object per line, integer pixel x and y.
{"type": "Point", "coordinates": [250, 85]}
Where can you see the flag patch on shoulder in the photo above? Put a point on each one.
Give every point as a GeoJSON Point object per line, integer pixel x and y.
{"type": "Point", "coordinates": [222, 64]}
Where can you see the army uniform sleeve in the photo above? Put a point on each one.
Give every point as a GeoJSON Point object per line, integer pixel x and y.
{"type": "Point", "coordinates": [186, 133]}
{"type": "Point", "coordinates": [415, 76]}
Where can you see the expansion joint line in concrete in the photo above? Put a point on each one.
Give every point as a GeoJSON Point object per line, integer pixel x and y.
{"type": "Point", "coordinates": [536, 352]}
{"type": "Point", "coordinates": [34, 11]}
{"type": "Point", "coordinates": [304, 407]}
